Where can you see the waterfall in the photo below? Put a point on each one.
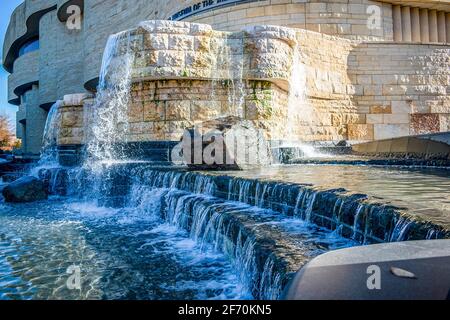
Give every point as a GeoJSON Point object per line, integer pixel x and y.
{"type": "Point", "coordinates": [222, 213]}
{"type": "Point", "coordinates": [226, 74]}
{"type": "Point", "coordinates": [49, 153]}
{"type": "Point", "coordinates": [229, 68]}
{"type": "Point", "coordinates": [358, 220]}
{"type": "Point", "coordinates": [401, 229]}
{"type": "Point", "coordinates": [216, 222]}
{"type": "Point", "coordinates": [298, 108]}
{"type": "Point", "coordinates": [299, 112]}
{"type": "Point", "coordinates": [107, 118]}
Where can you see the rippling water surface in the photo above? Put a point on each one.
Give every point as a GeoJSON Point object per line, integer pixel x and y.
{"type": "Point", "coordinates": [426, 191]}
{"type": "Point", "coordinates": [127, 253]}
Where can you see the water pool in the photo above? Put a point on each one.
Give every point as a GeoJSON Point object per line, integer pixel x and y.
{"type": "Point", "coordinates": [131, 252]}
{"type": "Point", "coordinates": [424, 191]}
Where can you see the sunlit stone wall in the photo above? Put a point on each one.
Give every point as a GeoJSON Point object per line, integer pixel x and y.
{"type": "Point", "coordinates": [185, 73]}
{"type": "Point", "coordinates": [403, 89]}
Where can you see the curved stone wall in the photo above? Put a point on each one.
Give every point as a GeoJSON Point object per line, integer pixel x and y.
{"type": "Point", "coordinates": [61, 60]}
{"type": "Point", "coordinates": [24, 25]}
{"type": "Point", "coordinates": [347, 20]}
{"type": "Point", "coordinates": [31, 123]}
{"type": "Point", "coordinates": [125, 14]}
{"type": "Point", "coordinates": [26, 74]}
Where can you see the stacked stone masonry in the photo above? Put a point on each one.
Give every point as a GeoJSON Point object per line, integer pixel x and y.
{"type": "Point", "coordinates": [366, 78]}
{"type": "Point", "coordinates": [358, 91]}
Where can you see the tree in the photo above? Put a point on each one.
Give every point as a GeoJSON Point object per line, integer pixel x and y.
{"type": "Point", "coordinates": [6, 135]}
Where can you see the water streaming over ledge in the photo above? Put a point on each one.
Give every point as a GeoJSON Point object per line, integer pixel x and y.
{"type": "Point", "coordinates": [49, 153]}
{"type": "Point", "coordinates": [107, 119]}
{"type": "Point", "coordinates": [266, 230]}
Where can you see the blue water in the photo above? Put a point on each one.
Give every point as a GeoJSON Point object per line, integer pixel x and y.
{"type": "Point", "coordinates": [124, 253]}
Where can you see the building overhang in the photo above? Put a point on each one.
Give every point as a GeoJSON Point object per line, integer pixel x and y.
{"type": "Point", "coordinates": [32, 24]}
{"type": "Point", "coordinates": [442, 5]}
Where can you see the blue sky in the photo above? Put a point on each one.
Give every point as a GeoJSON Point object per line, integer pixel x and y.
{"type": "Point", "coordinates": [8, 7]}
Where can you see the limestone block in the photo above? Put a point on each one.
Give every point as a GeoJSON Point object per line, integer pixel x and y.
{"type": "Point", "coordinates": [443, 107]}
{"type": "Point", "coordinates": [202, 43]}
{"type": "Point", "coordinates": [72, 119]}
{"type": "Point", "coordinates": [205, 110]}
{"type": "Point", "coordinates": [346, 118]}
{"type": "Point", "coordinates": [154, 111]}
{"type": "Point", "coordinates": [385, 79]}
{"type": "Point", "coordinates": [174, 130]}
{"type": "Point", "coordinates": [198, 29]}
{"type": "Point", "coordinates": [374, 118]}
{"type": "Point", "coordinates": [355, 90]}
{"type": "Point", "coordinates": [394, 90]}
{"type": "Point", "coordinates": [401, 107]}
{"type": "Point", "coordinates": [372, 90]}
{"type": "Point", "coordinates": [364, 79]}
{"type": "Point", "coordinates": [75, 99]}
{"type": "Point", "coordinates": [156, 41]}
{"type": "Point", "coordinates": [135, 128]}
{"type": "Point", "coordinates": [178, 110]}
{"type": "Point", "coordinates": [258, 110]}
{"type": "Point", "coordinates": [255, 12]}
{"type": "Point", "coordinates": [396, 118]}
{"type": "Point", "coordinates": [136, 112]}
{"type": "Point", "coordinates": [171, 59]}
{"type": "Point", "coordinates": [181, 42]}
{"type": "Point", "coordinates": [136, 42]}
{"type": "Point", "coordinates": [166, 26]}
{"type": "Point", "coordinates": [387, 131]}
{"type": "Point", "coordinates": [316, 7]}
{"type": "Point", "coordinates": [380, 109]}
{"type": "Point", "coordinates": [360, 131]}
{"type": "Point", "coordinates": [203, 60]}
{"type": "Point", "coordinates": [444, 121]}
{"type": "Point", "coordinates": [146, 58]}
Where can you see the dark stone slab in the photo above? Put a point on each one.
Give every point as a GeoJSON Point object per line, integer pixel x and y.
{"type": "Point", "coordinates": [26, 189]}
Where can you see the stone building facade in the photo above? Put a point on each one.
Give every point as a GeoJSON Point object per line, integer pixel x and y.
{"type": "Point", "coordinates": [372, 69]}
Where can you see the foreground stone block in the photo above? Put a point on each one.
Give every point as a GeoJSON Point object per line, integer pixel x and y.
{"type": "Point", "coordinates": [26, 189]}
{"type": "Point", "coordinates": [228, 143]}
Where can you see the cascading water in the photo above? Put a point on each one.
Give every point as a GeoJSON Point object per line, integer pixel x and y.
{"type": "Point", "coordinates": [107, 119]}
{"type": "Point", "coordinates": [299, 112]}
{"type": "Point", "coordinates": [240, 231]}
{"type": "Point", "coordinates": [229, 67]}
{"type": "Point", "coordinates": [226, 73]}
{"type": "Point", "coordinates": [49, 154]}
